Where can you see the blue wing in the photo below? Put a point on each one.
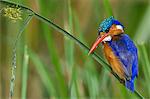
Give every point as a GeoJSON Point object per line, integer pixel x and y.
{"type": "Point", "coordinates": [126, 52]}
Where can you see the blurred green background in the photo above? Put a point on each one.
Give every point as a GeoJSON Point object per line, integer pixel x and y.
{"type": "Point", "coordinates": [57, 67]}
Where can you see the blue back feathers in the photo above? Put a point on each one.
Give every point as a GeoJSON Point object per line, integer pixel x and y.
{"type": "Point", "coordinates": [107, 23]}
{"type": "Point", "coordinates": [126, 52]}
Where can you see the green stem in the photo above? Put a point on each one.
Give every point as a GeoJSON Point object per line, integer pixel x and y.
{"type": "Point", "coordinates": [108, 7]}
{"type": "Point", "coordinates": [78, 42]}
{"type": "Point", "coordinates": [25, 73]}
{"type": "Point", "coordinates": [13, 71]}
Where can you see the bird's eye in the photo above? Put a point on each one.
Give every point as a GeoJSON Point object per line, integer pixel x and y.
{"type": "Point", "coordinates": [107, 30]}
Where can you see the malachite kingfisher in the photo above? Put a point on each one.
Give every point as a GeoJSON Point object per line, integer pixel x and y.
{"type": "Point", "coordinates": [119, 50]}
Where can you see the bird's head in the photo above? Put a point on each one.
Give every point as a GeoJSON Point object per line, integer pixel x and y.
{"type": "Point", "coordinates": [109, 28]}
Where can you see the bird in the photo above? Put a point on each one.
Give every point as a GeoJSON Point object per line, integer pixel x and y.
{"type": "Point", "coordinates": [119, 50]}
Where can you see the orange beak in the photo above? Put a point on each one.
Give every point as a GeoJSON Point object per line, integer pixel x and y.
{"type": "Point", "coordinates": [98, 41]}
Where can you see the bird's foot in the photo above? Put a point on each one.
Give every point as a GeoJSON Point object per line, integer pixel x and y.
{"type": "Point", "coordinates": [122, 81]}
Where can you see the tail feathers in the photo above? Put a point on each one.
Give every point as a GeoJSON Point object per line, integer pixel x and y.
{"type": "Point", "coordinates": [130, 85]}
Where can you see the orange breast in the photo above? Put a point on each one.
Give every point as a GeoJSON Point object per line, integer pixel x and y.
{"type": "Point", "coordinates": [116, 65]}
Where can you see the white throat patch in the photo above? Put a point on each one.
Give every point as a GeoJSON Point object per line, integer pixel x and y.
{"type": "Point", "coordinates": [108, 38]}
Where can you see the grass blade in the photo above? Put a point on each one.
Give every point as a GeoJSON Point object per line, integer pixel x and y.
{"type": "Point", "coordinates": [91, 79]}
{"type": "Point", "coordinates": [45, 76]}
{"type": "Point", "coordinates": [89, 64]}
{"type": "Point", "coordinates": [145, 65]}
{"type": "Point", "coordinates": [142, 31]}
{"type": "Point", "coordinates": [25, 73]}
{"type": "Point", "coordinates": [62, 91]}
{"type": "Point", "coordinates": [69, 46]}
{"type": "Point", "coordinates": [69, 53]}
{"type": "Point", "coordinates": [108, 7]}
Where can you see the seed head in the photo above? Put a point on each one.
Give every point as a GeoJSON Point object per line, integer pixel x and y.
{"type": "Point", "coordinates": [14, 13]}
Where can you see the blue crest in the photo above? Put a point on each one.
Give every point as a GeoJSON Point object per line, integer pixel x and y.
{"type": "Point", "coordinates": [107, 23]}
